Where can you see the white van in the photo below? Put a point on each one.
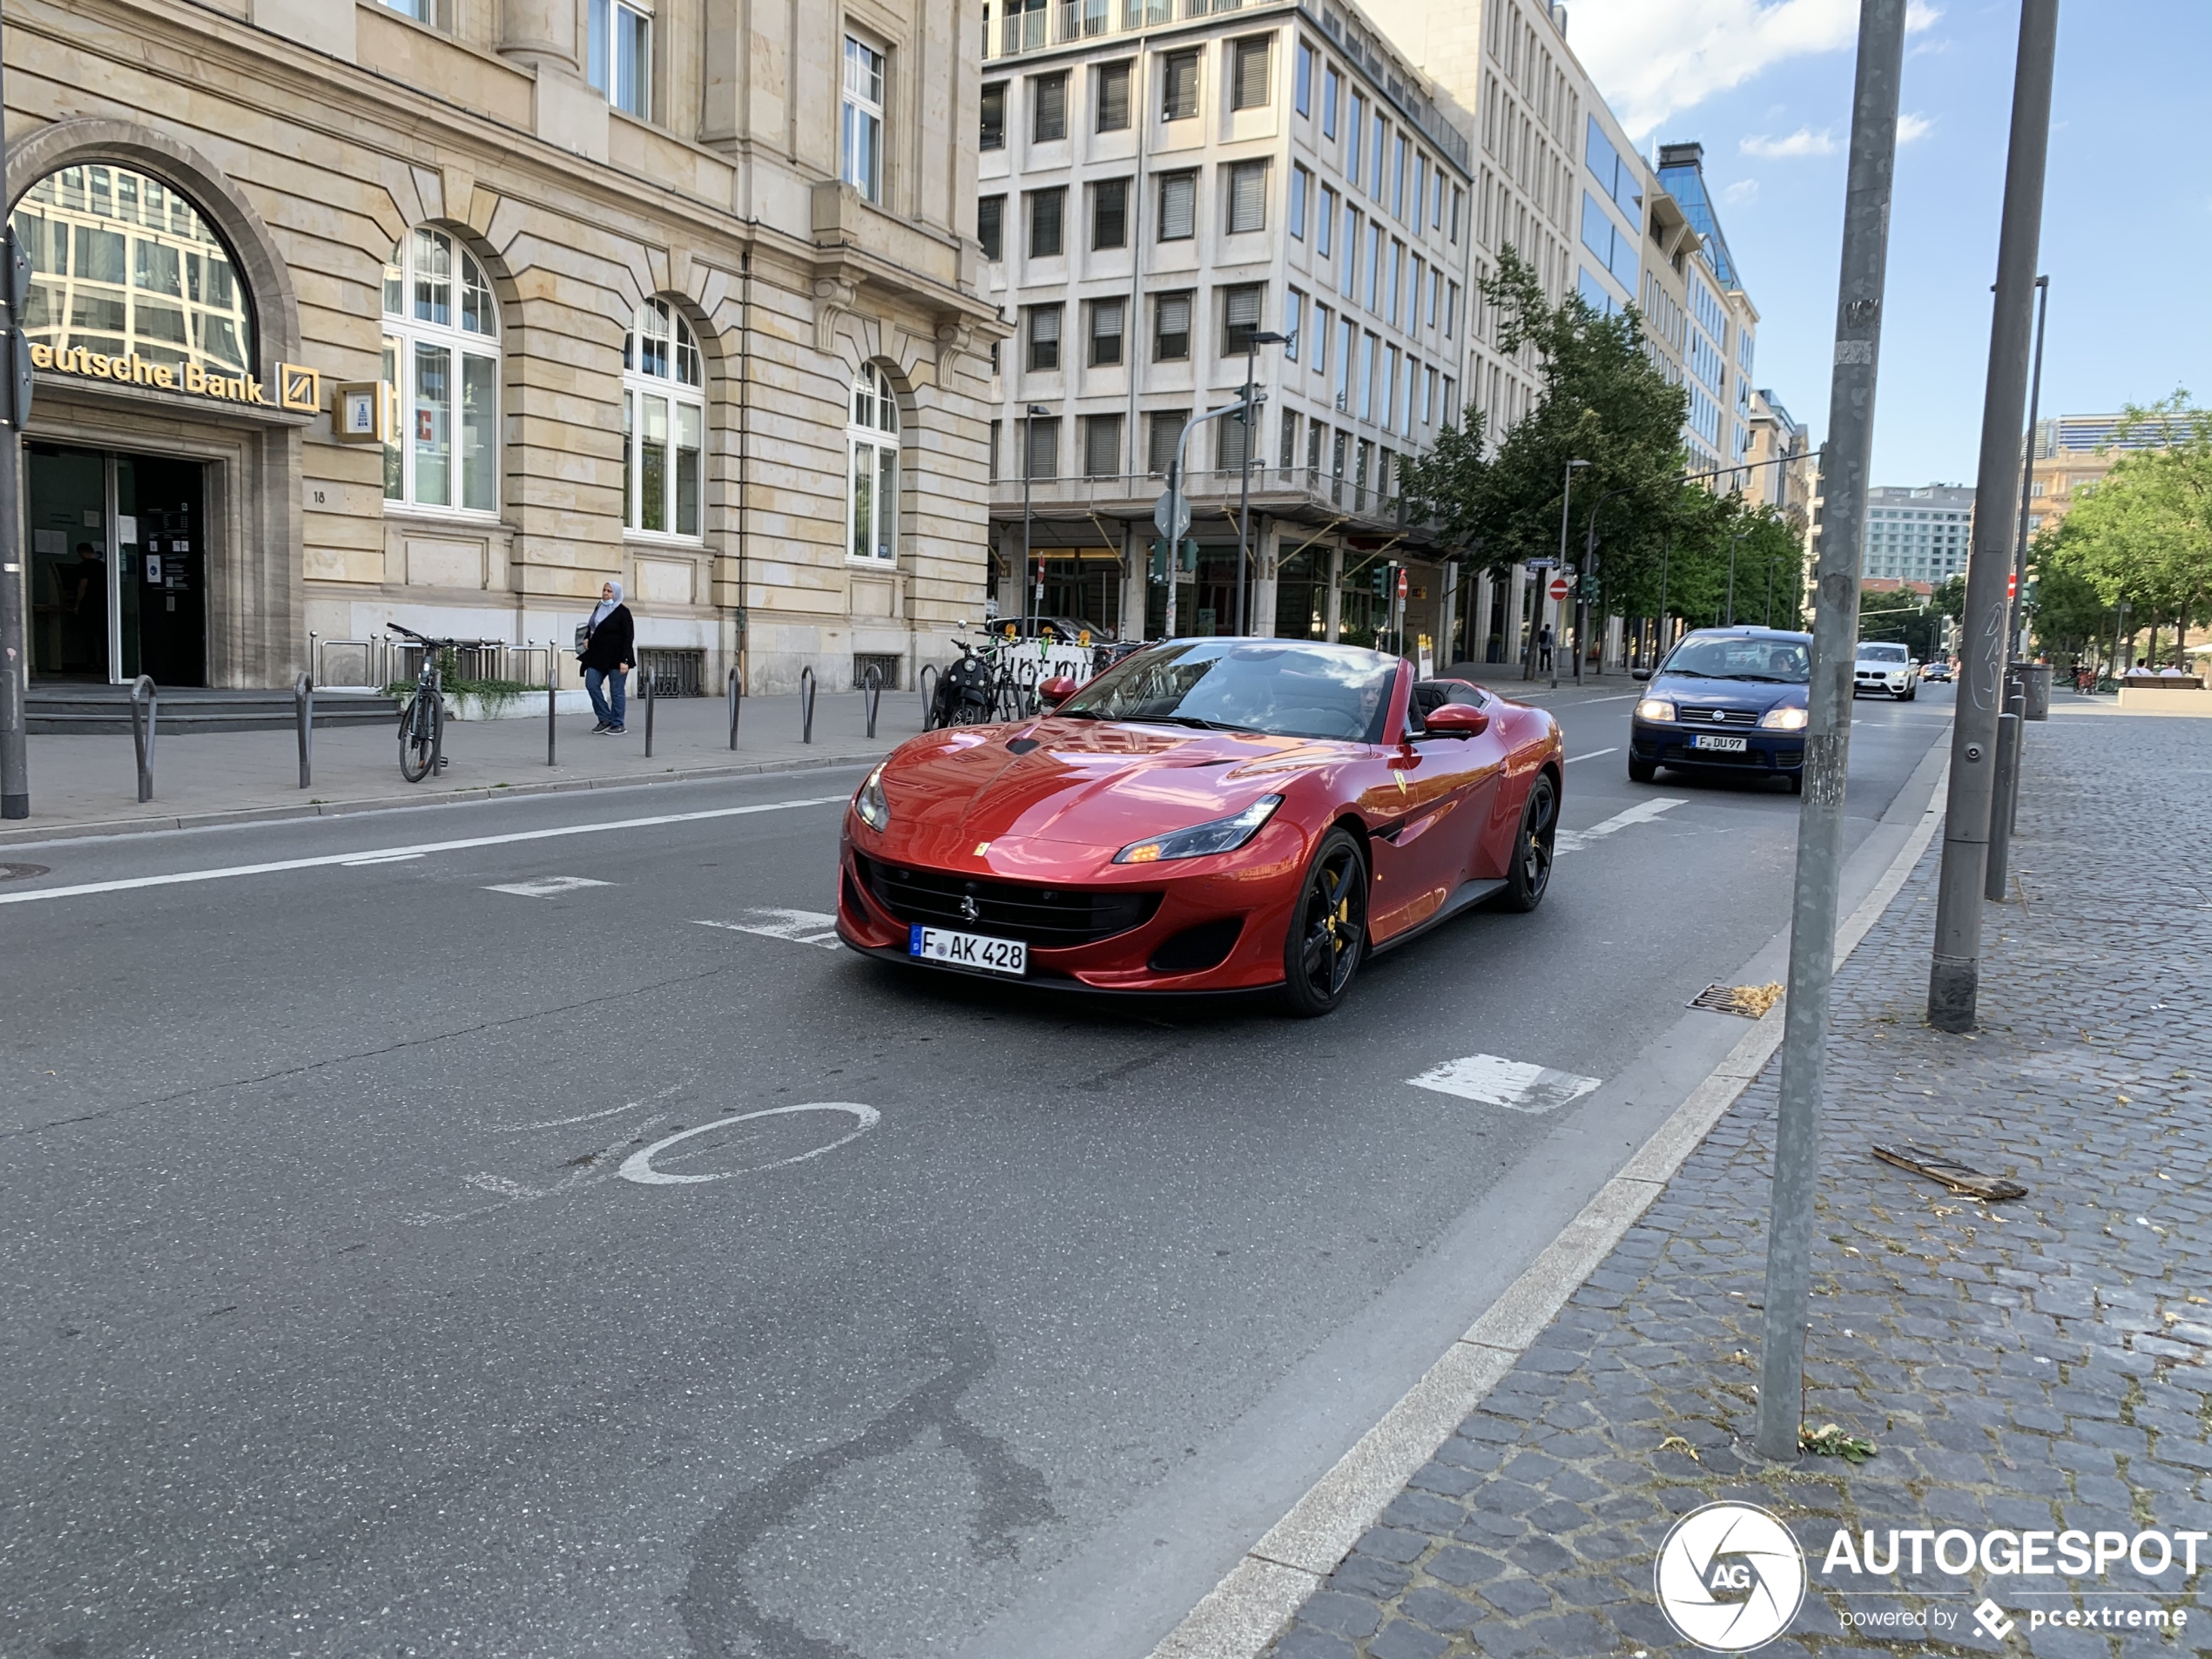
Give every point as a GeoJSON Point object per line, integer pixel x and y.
{"type": "Point", "coordinates": [1884, 666]}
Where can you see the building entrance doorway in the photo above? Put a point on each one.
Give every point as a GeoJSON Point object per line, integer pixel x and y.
{"type": "Point", "coordinates": [119, 566]}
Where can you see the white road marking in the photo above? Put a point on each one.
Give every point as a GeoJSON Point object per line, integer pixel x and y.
{"type": "Point", "coordinates": [800, 927]}
{"type": "Point", "coordinates": [593, 1117]}
{"type": "Point", "coordinates": [639, 1166]}
{"type": "Point", "coordinates": [546, 886]}
{"type": "Point", "coordinates": [275, 866]}
{"type": "Point", "coordinates": [1593, 754]}
{"type": "Point", "coordinates": [1642, 813]}
{"type": "Point", "coordinates": [1512, 1084]}
{"type": "Point", "coordinates": [381, 858]}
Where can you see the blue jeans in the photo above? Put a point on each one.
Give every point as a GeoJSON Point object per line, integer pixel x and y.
{"type": "Point", "coordinates": [610, 714]}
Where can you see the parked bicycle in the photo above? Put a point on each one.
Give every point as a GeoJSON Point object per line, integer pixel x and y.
{"type": "Point", "coordinates": [422, 721]}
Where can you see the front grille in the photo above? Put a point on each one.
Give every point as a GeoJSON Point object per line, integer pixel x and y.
{"type": "Point", "coordinates": [1047, 918]}
{"type": "Point", "coordinates": [1717, 717]}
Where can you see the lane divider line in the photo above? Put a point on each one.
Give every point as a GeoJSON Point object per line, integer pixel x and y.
{"type": "Point", "coordinates": [1642, 813]}
{"type": "Point", "coordinates": [1241, 1615]}
{"type": "Point", "coordinates": [395, 854]}
{"type": "Point", "coordinates": [1594, 754]}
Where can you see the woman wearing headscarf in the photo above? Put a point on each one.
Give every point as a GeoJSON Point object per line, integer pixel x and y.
{"type": "Point", "coordinates": [610, 647]}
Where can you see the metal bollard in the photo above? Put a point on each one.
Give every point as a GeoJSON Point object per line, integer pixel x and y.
{"type": "Point", "coordinates": [146, 708]}
{"type": "Point", "coordinates": [645, 684]}
{"type": "Point", "coordinates": [735, 694]}
{"type": "Point", "coordinates": [303, 706]}
{"type": "Point", "coordinates": [2017, 704]}
{"type": "Point", "coordinates": [872, 692]}
{"type": "Point", "coordinates": [928, 682]}
{"type": "Point", "coordinates": [1997, 873]}
{"type": "Point", "coordinates": [552, 682]}
{"type": "Point", "coordinates": [806, 705]}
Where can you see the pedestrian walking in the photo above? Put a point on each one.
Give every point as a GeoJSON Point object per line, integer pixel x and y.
{"type": "Point", "coordinates": [606, 646]}
{"type": "Point", "coordinates": [1544, 648]}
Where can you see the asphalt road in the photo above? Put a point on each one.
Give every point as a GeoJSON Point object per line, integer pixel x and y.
{"type": "Point", "coordinates": [417, 1254]}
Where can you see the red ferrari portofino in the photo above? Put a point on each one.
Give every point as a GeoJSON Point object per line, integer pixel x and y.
{"type": "Point", "coordinates": [1207, 815]}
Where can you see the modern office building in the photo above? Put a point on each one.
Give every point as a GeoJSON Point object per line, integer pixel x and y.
{"type": "Point", "coordinates": [443, 312]}
{"type": "Point", "coordinates": [1168, 202]}
{"type": "Point", "coordinates": [1921, 537]}
{"type": "Point", "coordinates": [1721, 333]}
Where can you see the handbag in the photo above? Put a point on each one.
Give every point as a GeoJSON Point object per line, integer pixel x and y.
{"type": "Point", "coordinates": [583, 638]}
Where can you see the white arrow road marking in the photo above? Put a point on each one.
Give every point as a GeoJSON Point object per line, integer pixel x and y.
{"type": "Point", "coordinates": [639, 1166]}
{"type": "Point", "coordinates": [1512, 1084]}
{"type": "Point", "coordinates": [800, 927]}
{"type": "Point", "coordinates": [1642, 813]}
{"type": "Point", "coordinates": [395, 854]}
{"type": "Point", "coordinates": [546, 886]}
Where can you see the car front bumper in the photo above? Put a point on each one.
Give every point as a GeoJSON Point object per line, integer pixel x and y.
{"type": "Point", "coordinates": [1672, 745]}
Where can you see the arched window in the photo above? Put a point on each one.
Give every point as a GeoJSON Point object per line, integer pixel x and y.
{"type": "Point", "coordinates": [441, 372]}
{"type": "Point", "coordinates": [124, 264]}
{"type": "Point", "coordinates": [872, 514]}
{"type": "Point", "coordinates": [664, 424]}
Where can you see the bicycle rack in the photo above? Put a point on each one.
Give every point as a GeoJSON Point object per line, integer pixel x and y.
{"type": "Point", "coordinates": [734, 694]}
{"type": "Point", "coordinates": [146, 708]}
{"type": "Point", "coordinates": [928, 680]}
{"type": "Point", "coordinates": [806, 705]}
{"type": "Point", "coordinates": [303, 704]}
{"type": "Point", "coordinates": [871, 691]}
{"type": "Point", "coordinates": [648, 689]}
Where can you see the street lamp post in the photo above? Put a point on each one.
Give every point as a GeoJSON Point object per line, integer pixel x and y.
{"type": "Point", "coordinates": [1566, 502]}
{"type": "Point", "coordinates": [1028, 452]}
{"type": "Point", "coordinates": [1258, 338]}
{"type": "Point", "coordinates": [1175, 496]}
{"type": "Point", "coordinates": [2014, 646]}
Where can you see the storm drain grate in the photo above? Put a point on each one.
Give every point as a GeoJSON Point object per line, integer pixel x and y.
{"type": "Point", "coordinates": [1749, 1001]}
{"type": "Point", "coordinates": [20, 872]}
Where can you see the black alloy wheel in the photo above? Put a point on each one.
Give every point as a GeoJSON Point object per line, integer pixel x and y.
{"type": "Point", "coordinates": [1529, 875]}
{"type": "Point", "coordinates": [1328, 933]}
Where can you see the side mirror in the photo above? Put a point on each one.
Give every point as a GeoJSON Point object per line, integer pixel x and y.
{"type": "Point", "coordinates": [1639, 673]}
{"type": "Point", "coordinates": [1457, 720]}
{"type": "Point", "coordinates": [1056, 691]}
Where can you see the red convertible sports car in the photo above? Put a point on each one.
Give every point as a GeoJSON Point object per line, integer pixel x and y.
{"type": "Point", "coordinates": [1207, 815]}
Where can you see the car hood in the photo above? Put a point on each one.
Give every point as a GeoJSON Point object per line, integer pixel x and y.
{"type": "Point", "coordinates": [1022, 800]}
{"type": "Point", "coordinates": [1701, 693]}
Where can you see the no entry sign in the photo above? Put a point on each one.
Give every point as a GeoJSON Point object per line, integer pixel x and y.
{"type": "Point", "coordinates": [1560, 588]}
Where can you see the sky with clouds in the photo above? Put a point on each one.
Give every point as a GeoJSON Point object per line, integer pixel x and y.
{"type": "Point", "coordinates": [1765, 86]}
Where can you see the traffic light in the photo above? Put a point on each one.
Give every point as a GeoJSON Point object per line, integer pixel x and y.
{"type": "Point", "coordinates": [1188, 563]}
{"type": "Point", "coordinates": [15, 369]}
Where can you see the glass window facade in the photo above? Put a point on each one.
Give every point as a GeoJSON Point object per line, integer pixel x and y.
{"type": "Point", "coordinates": [441, 374]}
{"type": "Point", "coordinates": [663, 419]}
{"type": "Point", "coordinates": [872, 518]}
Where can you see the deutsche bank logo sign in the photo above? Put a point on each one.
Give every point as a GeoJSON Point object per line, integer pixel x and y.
{"type": "Point", "coordinates": [1730, 1577]}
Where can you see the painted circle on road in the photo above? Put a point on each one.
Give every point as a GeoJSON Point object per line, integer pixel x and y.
{"type": "Point", "coordinates": [639, 1166]}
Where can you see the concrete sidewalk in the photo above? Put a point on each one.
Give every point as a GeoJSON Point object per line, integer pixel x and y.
{"type": "Point", "coordinates": [87, 785]}
{"type": "Point", "coordinates": [2017, 1367]}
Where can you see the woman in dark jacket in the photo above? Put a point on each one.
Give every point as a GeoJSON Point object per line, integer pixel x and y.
{"type": "Point", "coordinates": [610, 647]}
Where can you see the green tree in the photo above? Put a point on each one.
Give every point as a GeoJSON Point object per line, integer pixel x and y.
{"type": "Point", "coordinates": [1601, 400]}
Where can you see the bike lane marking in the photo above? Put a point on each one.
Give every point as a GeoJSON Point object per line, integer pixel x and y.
{"type": "Point", "coordinates": [1492, 1080]}
{"type": "Point", "coordinates": [639, 1166]}
{"type": "Point", "coordinates": [545, 886]}
{"type": "Point", "coordinates": [799, 927]}
{"type": "Point", "coordinates": [395, 854]}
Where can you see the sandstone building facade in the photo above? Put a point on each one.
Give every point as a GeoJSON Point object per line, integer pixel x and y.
{"type": "Point", "coordinates": [443, 312]}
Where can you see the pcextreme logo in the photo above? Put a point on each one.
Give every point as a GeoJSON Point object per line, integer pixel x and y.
{"type": "Point", "coordinates": [1730, 1577]}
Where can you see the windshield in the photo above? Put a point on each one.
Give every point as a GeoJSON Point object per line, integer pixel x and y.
{"type": "Point", "coordinates": [1289, 691]}
{"type": "Point", "coordinates": [1881, 653]}
{"type": "Point", "coordinates": [1732, 657]}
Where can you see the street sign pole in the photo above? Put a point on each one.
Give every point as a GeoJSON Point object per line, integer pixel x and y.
{"type": "Point", "coordinates": [1954, 972]}
{"type": "Point", "coordinates": [14, 645]}
{"type": "Point", "coordinates": [1820, 820]}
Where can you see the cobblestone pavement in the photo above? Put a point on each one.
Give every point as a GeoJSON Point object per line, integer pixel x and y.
{"type": "Point", "coordinates": [2040, 1364]}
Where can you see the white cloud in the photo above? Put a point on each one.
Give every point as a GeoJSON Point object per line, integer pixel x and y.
{"type": "Point", "coordinates": [1803, 142]}
{"type": "Point", "coordinates": [1742, 190]}
{"type": "Point", "coordinates": [1911, 127]}
{"type": "Point", "coordinates": [1655, 58]}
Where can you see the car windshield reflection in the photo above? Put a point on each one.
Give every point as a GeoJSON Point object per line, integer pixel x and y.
{"type": "Point", "coordinates": [1783, 661]}
{"type": "Point", "coordinates": [1287, 689]}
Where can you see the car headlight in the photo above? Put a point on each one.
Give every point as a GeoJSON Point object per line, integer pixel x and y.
{"type": "Point", "coordinates": [1783, 719]}
{"type": "Point", "coordinates": [869, 800]}
{"type": "Point", "coordinates": [1220, 835]}
{"type": "Point", "coordinates": [1655, 708]}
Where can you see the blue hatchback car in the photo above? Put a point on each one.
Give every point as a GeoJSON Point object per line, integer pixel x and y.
{"type": "Point", "coordinates": [1725, 700]}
